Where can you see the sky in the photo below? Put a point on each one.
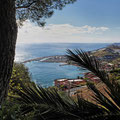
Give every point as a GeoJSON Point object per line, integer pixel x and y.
{"type": "Point", "coordinates": [85, 21]}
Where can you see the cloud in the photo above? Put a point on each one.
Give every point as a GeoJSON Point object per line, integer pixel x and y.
{"type": "Point", "coordinates": [70, 29]}
{"type": "Point", "coordinates": [31, 33]}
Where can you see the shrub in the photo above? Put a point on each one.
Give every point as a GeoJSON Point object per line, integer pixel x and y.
{"type": "Point", "coordinates": [20, 74]}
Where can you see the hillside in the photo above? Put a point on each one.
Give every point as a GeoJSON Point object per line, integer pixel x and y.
{"type": "Point", "coordinates": [109, 53]}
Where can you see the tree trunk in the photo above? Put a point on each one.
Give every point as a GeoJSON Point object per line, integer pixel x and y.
{"type": "Point", "coordinates": [8, 35]}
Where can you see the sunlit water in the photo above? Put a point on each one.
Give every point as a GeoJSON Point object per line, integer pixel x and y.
{"type": "Point", "coordinates": [46, 73]}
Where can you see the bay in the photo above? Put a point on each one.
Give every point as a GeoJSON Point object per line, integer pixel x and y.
{"type": "Point", "coordinates": [45, 73]}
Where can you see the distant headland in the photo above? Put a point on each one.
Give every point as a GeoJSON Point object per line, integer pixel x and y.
{"type": "Point", "coordinates": [109, 53]}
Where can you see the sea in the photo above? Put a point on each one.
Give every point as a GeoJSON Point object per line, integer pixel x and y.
{"type": "Point", "coordinates": [43, 73]}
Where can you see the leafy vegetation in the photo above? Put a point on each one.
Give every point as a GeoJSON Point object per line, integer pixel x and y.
{"type": "Point", "coordinates": [18, 11]}
{"type": "Point", "coordinates": [38, 10]}
{"type": "Point", "coordinates": [20, 75]}
{"type": "Point", "coordinates": [33, 102]}
{"type": "Point", "coordinates": [47, 104]}
{"type": "Point", "coordinates": [9, 111]}
{"type": "Point", "coordinates": [115, 75]}
{"type": "Point", "coordinates": [50, 105]}
{"type": "Point", "coordinates": [116, 61]}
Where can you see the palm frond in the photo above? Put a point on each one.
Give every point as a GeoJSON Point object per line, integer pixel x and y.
{"type": "Point", "coordinates": [89, 62]}
{"type": "Point", "coordinates": [50, 105]}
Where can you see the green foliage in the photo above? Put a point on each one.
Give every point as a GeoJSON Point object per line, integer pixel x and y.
{"type": "Point", "coordinates": [9, 111]}
{"type": "Point", "coordinates": [115, 75]}
{"type": "Point", "coordinates": [115, 71]}
{"type": "Point", "coordinates": [20, 75]}
{"type": "Point", "coordinates": [38, 10]}
{"type": "Point", "coordinates": [37, 103]}
{"type": "Point", "coordinates": [48, 104]}
{"type": "Point", "coordinates": [110, 103]}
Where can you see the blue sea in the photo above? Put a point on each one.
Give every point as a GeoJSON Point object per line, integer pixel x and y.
{"type": "Point", "coordinates": [45, 73]}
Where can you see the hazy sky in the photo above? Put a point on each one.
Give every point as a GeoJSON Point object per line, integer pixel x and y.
{"type": "Point", "coordinates": [84, 21]}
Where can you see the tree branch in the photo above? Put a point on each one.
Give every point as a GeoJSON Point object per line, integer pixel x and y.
{"type": "Point", "coordinates": [26, 6]}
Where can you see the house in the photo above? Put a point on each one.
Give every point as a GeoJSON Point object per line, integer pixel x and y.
{"type": "Point", "coordinates": [68, 83]}
{"type": "Point", "coordinates": [110, 57]}
{"type": "Point", "coordinates": [108, 66]}
{"type": "Point", "coordinates": [118, 65]}
{"type": "Point", "coordinates": [59, 82]}
{"type": "Point", "coordinates": [91, 77]}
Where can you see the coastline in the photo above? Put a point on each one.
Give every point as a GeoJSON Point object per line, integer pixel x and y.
{"type": "Point", "coordinates": [52, 59]}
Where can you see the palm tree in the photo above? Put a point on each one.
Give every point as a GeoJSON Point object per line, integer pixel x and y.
{"type": "Point", "coordinates": [48, 104]}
